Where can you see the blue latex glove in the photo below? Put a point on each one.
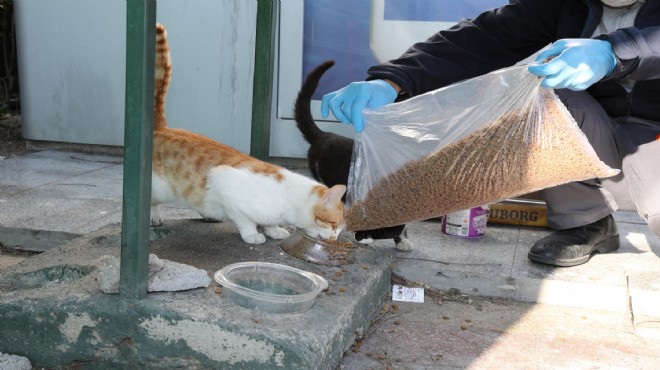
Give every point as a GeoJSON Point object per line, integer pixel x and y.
{"type": "Point", "coordinates": [348, 102]}
{"type": "Point", "coordinates": [574, 64]}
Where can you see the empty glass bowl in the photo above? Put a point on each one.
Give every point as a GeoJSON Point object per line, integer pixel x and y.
{"type": "Point", "coordinates": [270, 287]}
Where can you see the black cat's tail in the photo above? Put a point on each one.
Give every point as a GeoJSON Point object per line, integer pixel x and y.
{"type": "Point", "coordinates": [303, 112]}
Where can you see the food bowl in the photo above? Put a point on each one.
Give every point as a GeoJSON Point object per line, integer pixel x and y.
{"type": "Point", "coordinates": [319, 251]}
{"type": "Point", "coordinates": [270, 287]}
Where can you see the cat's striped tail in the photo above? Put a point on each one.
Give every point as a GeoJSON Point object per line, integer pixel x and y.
{"type": "Point", "coordinates": [162, 78]}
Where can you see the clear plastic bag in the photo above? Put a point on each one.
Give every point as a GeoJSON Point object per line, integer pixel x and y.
{"type": "Point", "coordinates": [476, 142]}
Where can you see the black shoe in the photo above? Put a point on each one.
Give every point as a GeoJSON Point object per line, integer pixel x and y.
{"type": "Point", "coordinates": [572, 247]}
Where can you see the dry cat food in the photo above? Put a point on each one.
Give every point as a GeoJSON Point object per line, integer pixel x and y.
{"type": "Point", "coordinates": [338, 243]}
{"type": "Point", "coordinates": [506, 158]}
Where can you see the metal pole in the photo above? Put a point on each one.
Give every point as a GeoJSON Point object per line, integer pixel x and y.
{"type": "Point", "coordinates": [138, 141]}
{"type": "Point", "coordinates": [264, 60]}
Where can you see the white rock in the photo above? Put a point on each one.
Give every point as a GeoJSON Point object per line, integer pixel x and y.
{"type": "Point", "coordinates": [164, 275]}
{"type": "Point", "coordinates": [13, 362]}
{"type": "Point", "coordinates": [109, 274]}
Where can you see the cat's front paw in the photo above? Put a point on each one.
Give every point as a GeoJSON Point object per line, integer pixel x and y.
{"type": "Point", "coordinates": [254, 238]}
{"type": "Point", "coordinates": [365, 240]}
{"type": "Point", "coordinates": [156, 222]}
{"type": "Point", "coordinates": [404, 245]}
{"type": "Point", "coordinates": [276, 232]}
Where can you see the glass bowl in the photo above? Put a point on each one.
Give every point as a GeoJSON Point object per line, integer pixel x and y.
{"type": "Point", "coordinates": [270, 287]}
{"type": "Point", "coordinates": [318, 251]}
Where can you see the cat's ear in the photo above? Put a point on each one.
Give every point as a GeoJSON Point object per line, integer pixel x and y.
{"type": "Point", "coordinates": [334, 194]}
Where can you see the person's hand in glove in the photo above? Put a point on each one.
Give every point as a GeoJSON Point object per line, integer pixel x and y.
{"type": "Point", "coordinates": [348, 102]}
{"type": "Point", "coordinates": [574, 64]}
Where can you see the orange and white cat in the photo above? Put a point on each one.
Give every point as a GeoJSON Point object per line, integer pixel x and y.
{"type": "Point", "coordinates": [221, 182]}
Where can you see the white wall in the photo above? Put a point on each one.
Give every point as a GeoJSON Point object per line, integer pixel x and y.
{"type": "Point", "coordinates": [72, 68]}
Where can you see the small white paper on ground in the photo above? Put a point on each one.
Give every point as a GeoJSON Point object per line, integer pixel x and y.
{"type": "Point", "coordinates": [405, 294]}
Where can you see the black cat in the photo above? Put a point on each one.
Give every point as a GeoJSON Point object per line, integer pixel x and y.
{"type": "Point", "coordinates": [329, 156]}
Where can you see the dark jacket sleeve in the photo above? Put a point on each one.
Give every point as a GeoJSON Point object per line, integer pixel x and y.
{"type": "Point", "coordinates": [638, 51]}
{"type": "Point", "coordinates": [495, 39]}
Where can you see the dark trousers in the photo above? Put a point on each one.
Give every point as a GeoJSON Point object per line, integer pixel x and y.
{"type": "Point", "coordinates": [630, 144]}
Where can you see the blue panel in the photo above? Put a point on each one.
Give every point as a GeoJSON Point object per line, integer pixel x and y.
{"type": "Point", "coordinates": [339, 30]}
{"type": "Point", "coordinates": [436, 10]}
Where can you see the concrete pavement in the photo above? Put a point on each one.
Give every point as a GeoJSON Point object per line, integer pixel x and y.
{"type": "Point", "coordinates": [502, 311]}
